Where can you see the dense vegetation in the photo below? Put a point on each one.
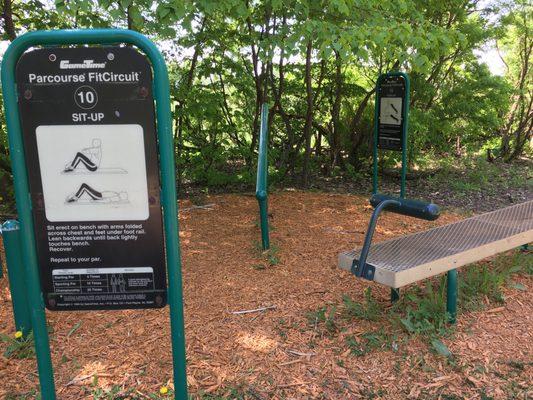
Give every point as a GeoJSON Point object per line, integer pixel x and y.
{"type": "Point", "coordinates": [315, 63]}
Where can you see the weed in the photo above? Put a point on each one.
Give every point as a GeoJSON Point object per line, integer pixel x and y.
{"type": "Point", "coordinates": [425, 313]}
{"type": "Point", "coordinates": [116, 392]}
{"type": "Point", "coordinates": [269, 255]}
{"type": "Point", "coordinates": [323, 316]}
{"type": "Point", "coordinates": [370, 310]}
{"type": "Point", "coordinates": [22, 347]}
{"type": "Point", "coordinates": [281, 327]}
{"type": "Point", "coordinates": [483, 279]}
{"type": "Point", "coordinates": [32, 395]}
{"type": "Point", "coordinates": [368, 342]}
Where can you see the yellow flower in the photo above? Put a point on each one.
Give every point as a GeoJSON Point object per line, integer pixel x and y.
{"type": "Point", "coordinates": [163, 390]}
{"type": "Point", "coordinates": [18, 334]}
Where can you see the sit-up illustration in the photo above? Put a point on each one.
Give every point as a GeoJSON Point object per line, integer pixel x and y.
{"type": "Point", "coordinates": [88, 195]}
{"type": "Point", "coordinates": [88, 160]}
{"type": "Point", "coordinates": [90, 157]}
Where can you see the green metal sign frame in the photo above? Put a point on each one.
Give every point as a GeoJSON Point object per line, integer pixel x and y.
{"type": "Point", "coordinates": [405, 116]}
{"type": "Point", "coordinates": [168, 190]}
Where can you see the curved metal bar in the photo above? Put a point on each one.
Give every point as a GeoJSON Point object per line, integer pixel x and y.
{"type": "Point", "coordinates": [359, 269]}
{"type": "Point", "coordinates": [168, 193]}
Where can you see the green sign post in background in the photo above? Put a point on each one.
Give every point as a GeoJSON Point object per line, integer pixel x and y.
{"type": "Point", "coordinates": [391, 125]}
{"type": "Point", "coordinates": [24, 206]}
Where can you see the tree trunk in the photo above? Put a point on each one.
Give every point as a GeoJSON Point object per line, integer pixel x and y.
{"type": "Point", "coordinates": [309, 114]}
{"type": "Point", "coordinates": [335, 113]}
{"type": "Point", "coordinates": [7, 15]}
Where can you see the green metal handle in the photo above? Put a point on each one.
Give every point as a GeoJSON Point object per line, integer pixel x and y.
{"type": "Point", "coordinates": [405, 111]}
{"type": "Point", "coordinates": [168, 183]}
{"type": "Point", "coordinates": [261, 187]}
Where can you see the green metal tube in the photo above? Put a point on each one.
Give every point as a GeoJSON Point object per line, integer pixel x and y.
{"type": "Point", "coordinates": [405, 133]}
{"type": "Point", "coordinates": [394, 295]}
{"type": "Point", "coordinates": [261, 187]}
{"type": "Point", "coordinates": [451, 295]}
{"type": "Point", "coordinates": [15, 273]}
{"type": "Point", "coordinates": [168, 192]}
{"type": "Point", "coordinates": [375, 147]}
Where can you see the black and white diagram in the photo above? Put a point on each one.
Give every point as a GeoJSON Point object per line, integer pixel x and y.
{"type": "Point", "coordinates": [95, 165]}
{"type": "Point", "coordinates": [88, 195]}
{"type": "Point", "coordinates": [391, 111]}
{"type": "Point", "coordinates": [89, 159]}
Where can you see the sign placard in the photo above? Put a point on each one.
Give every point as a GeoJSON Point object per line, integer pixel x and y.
{"type": "Point", "coordinates": [392, 112]}
{"type": "Point", "coordinates": [87, 116]}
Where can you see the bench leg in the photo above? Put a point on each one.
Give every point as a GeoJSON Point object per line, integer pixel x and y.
{"type": "Point", "coordinates": [524, 247]}
{"type": "Point", "coordinates": [394, 295]}
{"type": "Point", "coordinates": [451, 295]}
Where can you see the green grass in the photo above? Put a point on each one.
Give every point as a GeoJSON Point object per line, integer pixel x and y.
{"type": "Point", "coordinates": [31, 395]}
{"type": "Point", "coordinates": [18, 348]}
{"type": "Point", "coordinates": [323, 317]}
{"type": "Point", "coordinates": [116, 392]}
{"type": "Point", "coordinates": [370, 341]}
{"type": "Point", "coordinates": [475, 174]}
{"type": "Point", "coordinates": [270, 256]}
{"type": "Point", "coordinates": [424, 310]}
{"type": "Point", "coordinates": [370, 310]}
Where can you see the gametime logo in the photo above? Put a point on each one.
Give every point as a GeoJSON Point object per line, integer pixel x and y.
{"type": "Point", "coordinates": [87, 64]}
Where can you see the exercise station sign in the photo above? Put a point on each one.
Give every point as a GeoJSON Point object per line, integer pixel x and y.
{"type": "Point", "coordinates": [392, 112]}
{"type": "Point", "coordinates": [87, 115]}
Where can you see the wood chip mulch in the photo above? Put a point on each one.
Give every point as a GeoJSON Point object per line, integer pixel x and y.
{"type": "Point", "coordinates": [276, 353]}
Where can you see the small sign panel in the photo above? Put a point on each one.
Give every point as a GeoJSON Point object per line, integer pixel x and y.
{"type": "Point", "coordinates": [392, 113]}
{"type": "Point", "coordinates": [90, 142]}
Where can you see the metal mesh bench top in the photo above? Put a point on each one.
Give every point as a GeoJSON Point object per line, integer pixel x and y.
{"type": "Point", "coordinates": [408, 259]}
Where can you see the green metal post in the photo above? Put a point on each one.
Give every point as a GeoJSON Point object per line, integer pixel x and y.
{"type": "Point", "coordinates": [375, 142]}
{"type": "Point", "coordinates": [405, 132]}
{"type": "Point", "coordinates": [168, 192]}
{"type": "Point", "coordinates": [261, 192]}
{"type": "Point", "coordinates": [451, 295]}
{"type": "Point", "coordinates": [15, 273]}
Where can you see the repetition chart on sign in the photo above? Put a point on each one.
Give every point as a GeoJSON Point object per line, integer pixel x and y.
{"type": "Point", "coordinates": [91, 154]}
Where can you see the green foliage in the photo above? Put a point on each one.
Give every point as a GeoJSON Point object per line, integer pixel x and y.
{"type": "Point", "coordinates": [270, 256]}
{"type": "Point", "coordinates": [31, 395]}
{"type": "Point", "coordinates": [425, 310]}
{"type": "Point", "coordinates": [20, 348]}
{"type": "Point", "coordinates": [323, 316]}
{"type": "Point", "coordinates": [368, 342]}
{"type": "Point", "coordinates": [370, 310]}
{"type": "Point", "coordinates": [225, 58]}
{"type": "Point", "coordinates": [485, 280]}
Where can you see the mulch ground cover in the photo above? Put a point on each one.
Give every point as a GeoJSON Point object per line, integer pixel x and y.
{"type": "Point", "coordinates": [301, 346]}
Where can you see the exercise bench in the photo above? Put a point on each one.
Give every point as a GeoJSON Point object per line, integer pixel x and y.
{"type": "Point", "coordinates": [401, 261]}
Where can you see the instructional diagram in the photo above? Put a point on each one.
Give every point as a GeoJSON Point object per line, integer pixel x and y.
{"type": "Point", "coordinates": [88, 160]}
{"type": "Point", "coordinates": [391, 111]}
{"type": "Point", "coordinates": [94, 165]}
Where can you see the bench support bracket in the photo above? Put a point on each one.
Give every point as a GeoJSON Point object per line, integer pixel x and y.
{"type": "Point", "coordinates": [451, 295]}
{"type": "Point", "coordinates": [361, 269]}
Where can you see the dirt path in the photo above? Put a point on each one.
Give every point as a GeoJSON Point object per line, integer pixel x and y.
{"type": "Point", "coordinates": [257, 353]}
